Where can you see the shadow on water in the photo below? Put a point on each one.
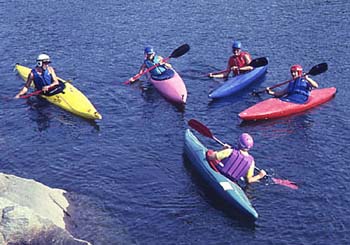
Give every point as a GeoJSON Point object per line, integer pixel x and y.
{"type": "Point", "coordinates": [45, 113]}
{"type": "Point", "coordinates": [215, 200]}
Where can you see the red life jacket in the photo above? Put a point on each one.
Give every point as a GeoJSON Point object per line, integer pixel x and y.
{"type": "Point", "coordinates": [238, 61]}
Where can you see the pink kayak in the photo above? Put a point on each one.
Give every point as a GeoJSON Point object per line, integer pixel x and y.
{"type": "Point", "coordinates": [274, 107]}
{"type": "Point", "coordinates": [173, 89]}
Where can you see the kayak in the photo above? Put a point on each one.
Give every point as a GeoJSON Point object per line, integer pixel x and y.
{"type": "Point", "coordinates": [274, 107]}
{"type": "Point", "coordinates": [172, 89]}
{"type": "Point", "coordinates": [70, 99]}
{"type": "Point", "coordinates": [238, 83]}
{"type": "Point", "coordinates": [228, 190]}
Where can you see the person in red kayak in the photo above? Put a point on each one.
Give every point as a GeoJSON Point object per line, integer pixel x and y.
{"type": "Point", "coordinates": [152, 59]}
{"type": "Point", "coordinates": [43, 76]}
{"type": "Point", "coordinates": [238, 63]}
{"type": "Point", "coordinates": [298, 89]}
{"type": "Point", "coordinates": [236, 163]}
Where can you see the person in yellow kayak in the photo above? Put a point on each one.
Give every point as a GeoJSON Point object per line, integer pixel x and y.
{"type": "Point", "coordinates": [150, 60]}
{"type": "Point", "coordinates": [238, 63]}
{"type": "Point", "coordinates": [236, 163]}
{"type": "Point", "coordinates": [298, 89]}
{"type": "Point", "coordinates": [43, 76]}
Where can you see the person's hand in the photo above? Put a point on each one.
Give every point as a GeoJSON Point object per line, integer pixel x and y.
{"type": "Point", "coordinates": [262, 173]}
{"type": "Point", "coordinates": [269, 91]}
{"type": "Point", "coordinates": [46, 89]}
{"type": "Point", "coordinates": [227, 146]}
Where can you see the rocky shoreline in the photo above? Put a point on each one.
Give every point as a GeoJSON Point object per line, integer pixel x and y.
{"type": "Point", "coordinates": [32, 213]}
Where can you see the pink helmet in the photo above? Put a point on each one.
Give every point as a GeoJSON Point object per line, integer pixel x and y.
{"type": "Point", "coordinates": [297, 68]}
{"type": "Point", "coordinates": [245, 141]}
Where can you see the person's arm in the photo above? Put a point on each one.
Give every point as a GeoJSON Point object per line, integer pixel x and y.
{"type": "Point", "coordinates": [312, 82]}
{"type": "Point", "coordinates": [223, 74]}
{"type": "Point", "coordinates": [54, 80]}
{"type": "Point", "coordinates": [24, 90]}
{"type": "Point", "coordinates": [247, 60]}
{"type": "Point", "coordinates": [142, 68]}
{"type": "Point", "coordinates": [219, 155]}
{"type": "Point", "coordinates": [162, 62]}
{"type": "Point", "coordinates": [251, 178]}
{"type": "Point", "coordinates": [277, 93]}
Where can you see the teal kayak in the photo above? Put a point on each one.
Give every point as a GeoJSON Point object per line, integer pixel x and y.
{"type": "Point", "coordinates": [230, 192]}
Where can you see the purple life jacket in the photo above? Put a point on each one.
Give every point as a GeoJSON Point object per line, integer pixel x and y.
{"type": "Point", "coordinates": [236, 165]}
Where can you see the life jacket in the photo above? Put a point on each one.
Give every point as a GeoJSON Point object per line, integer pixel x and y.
{"type": "Point", "coordinates": [236, 165]}
{"type": "Point", "coordinates": [42, 80]}
{"type": "Point", "coordinates": [298, 91]}
{"type": "Point", "coordinates": [238, 61]}
{"type": "Point", "coordinates": [156, 71]}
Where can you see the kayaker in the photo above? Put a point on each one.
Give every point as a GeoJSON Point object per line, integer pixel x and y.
{"type": "Point", "coordinates": [43, 76]}
{"type": "Point", "coordinates": [150, 60]}
{"type": "Point", "coordinates": [236, 163]}
{"type": "Point", "coordinates": [298, 89]}
{"type": "Point", "coordinates": [238, 63]}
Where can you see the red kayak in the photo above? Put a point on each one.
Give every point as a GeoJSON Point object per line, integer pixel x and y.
{"type": "Point", "coordinates": [274, 107]}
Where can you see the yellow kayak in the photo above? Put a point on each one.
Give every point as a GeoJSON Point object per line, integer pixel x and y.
{"type": "Point", "coordinates": [71, 99]}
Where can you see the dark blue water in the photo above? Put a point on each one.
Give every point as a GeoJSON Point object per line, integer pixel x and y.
{"type": "Point", "coordinates": [126, 175]}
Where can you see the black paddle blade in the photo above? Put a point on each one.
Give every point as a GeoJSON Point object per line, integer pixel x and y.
{"type": "Point", "coordinates": [183, 49]}
{"type": "Point", "coordinates": [258, 62]}
{"type": "Point", "coordinates": [317, 69]}
{"type": "Point", "coordinates": [201, 128]}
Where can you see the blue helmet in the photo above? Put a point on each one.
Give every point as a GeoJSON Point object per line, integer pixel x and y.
{"type": "Point", "coordinates": [237, 45]}
{"type": "Point", "coordinates": [149, 50]}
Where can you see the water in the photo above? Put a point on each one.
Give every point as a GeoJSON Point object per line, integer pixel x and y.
{"type": "Point", "coordinates": [126, 175]}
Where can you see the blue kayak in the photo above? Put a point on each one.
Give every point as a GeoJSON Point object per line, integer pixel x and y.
{"type": "Point", "coordinates": [237, 83]}
{"type": "Point", "coordinates": [231, 192]}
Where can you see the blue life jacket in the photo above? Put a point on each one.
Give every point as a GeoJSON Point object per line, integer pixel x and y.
{"type": "Point", "coordinates": [42, 80]}
{"type": "Point", "coordinates": [298, 91]}
{"type": "Point", "coordinates": [236, 165]}
{"type": "Point", "coordinates": [156, 71]}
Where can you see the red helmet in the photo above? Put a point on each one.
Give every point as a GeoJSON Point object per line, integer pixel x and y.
{"type": "Point", "coordinates": [297, 68]}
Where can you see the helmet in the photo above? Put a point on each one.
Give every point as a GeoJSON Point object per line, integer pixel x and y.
{"type": "Point", "coordinates": [237, 45]}
{"type": "Point", "coordinates": [245, 141]}
{"type": "Point", "coordinates": [297, 68]}
{"type": "Point", "coordinates": [43, 58]}
{"type": "Point", "coordinates": [149, 50]}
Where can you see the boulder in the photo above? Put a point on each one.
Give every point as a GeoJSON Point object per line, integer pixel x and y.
{"type": "Point", "coordinates": [32, 213]}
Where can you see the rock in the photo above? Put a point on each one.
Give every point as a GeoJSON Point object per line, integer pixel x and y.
{"type": "Point", "coordinates": [32, 213]}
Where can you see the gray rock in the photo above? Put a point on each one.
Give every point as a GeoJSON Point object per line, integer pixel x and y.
{"type": "Point", "coordinates": [32, 213]}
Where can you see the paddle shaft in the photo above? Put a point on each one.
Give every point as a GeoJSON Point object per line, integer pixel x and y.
{"type": "Point", "coordinates": [315, 70]}
{"type": "Point", "coordinates": [183, 49]}
{"type": "Point", "coordinates": [258, 62]}
{"type": "Point", "coordinates": [37, 92]}
{"type": "Point", "coordinates": [137, 76]}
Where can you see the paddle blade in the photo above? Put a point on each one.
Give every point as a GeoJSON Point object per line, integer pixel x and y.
{"type": "Point", "coordinates": [317, 69]}
{"type": "Point", "coordinates": [201, 128]}
{"type": "Point", "coordinates": [183, 49]}
{"type": "Point", "coordinates": [286, 183]}
{"type": "Point", "coordinates": [258, 62]}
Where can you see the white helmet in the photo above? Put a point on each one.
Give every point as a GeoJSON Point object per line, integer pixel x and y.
{"type": "Point", "coordinates": [42, 58]}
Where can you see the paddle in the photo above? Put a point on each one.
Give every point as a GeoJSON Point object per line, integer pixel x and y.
{"type": "Point", "coordinates": [315, 70]}
{"type": "Point", "coordinates": [183, 49]}
{"type": "Point", "coordinates": [204, 130]}
{"type": "Point", "coordinates": [37, 92]}
{"type": "Point", "coordinates": [258, 62]}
